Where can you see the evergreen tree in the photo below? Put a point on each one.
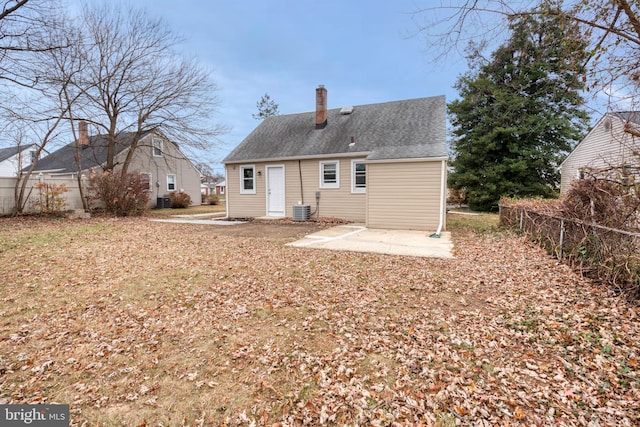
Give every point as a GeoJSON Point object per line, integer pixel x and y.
{"type": "Point", "coordinates": [266, 107]}
{"type": "Point", "coordinates": [520, 113]}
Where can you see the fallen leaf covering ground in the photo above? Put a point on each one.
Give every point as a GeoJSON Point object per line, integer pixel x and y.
{"type": "Point", "coordinates": [137, 323]}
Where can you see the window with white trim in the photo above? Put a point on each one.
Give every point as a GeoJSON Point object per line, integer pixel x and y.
{"type": "Point", "coordinates": [248, 179]}
{"type": "Point", "coordinates": [171, 183]}
{"type": "Point", "coordinates": [330, 174]}
{"type": "Point", "coordinates": [358, 176]}
{"type": "Point", "coordinates": [156, 143]}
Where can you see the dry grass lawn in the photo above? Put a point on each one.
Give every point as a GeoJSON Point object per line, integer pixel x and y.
{"type": "Point", "coordinates": [139, 323]}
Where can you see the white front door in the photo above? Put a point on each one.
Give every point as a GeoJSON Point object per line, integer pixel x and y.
{"type": "Point", "coordinates": [275, 191]}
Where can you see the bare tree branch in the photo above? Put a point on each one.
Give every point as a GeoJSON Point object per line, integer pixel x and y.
{"type": "Point", "coordinates": [133, 80]}
{"type": "Point", "coordinates": [8, 9]}
{"type": "Point", "coordinates": [613, 28]}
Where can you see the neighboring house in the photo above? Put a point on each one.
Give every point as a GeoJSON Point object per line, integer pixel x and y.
{"type": "Point", "coordinates": [16, 158]}
{"type": "Point", "coordinates": [207, 188]}
{"type": "Point", "coordinates": [613, 142]}
{"type": "Point", "coordinates": [220, 188]}
{"type": "Point", "coordinates": [384, 165]}
{"type": "Point", "coordinates": [156, 157]}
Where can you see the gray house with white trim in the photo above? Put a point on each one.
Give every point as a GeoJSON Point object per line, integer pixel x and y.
{"type": "Point", "coordinates": [158, 159]}
{"type": "Point", "coordinates": [384, 165]}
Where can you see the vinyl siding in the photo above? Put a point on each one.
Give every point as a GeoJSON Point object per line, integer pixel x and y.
{"type": "Point", "coordinates": [333, 202]}
{"type": "Point", "coordinates": [9, 167]}
{"type": "Point", "coordinates": [245, 205]}
{"type": "Point", "coordinates": [336, 202]}
{"type": "Point", "coordinates": [172, 162]}
{"type": "Point", "coordinates": [600, 148]}
{"type": "Point", "coordinates": [404, 195]}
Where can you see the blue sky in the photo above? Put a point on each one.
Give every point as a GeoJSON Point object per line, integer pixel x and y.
{"type": "Point", "coordinates": [362, 51]}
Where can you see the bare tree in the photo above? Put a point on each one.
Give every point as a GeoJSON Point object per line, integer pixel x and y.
{"type": "Point", "coordinates": [39, 118]}
{"type": "Point", "coordinates": [613, 28]}
{"type": "Point", "coordinates": [206, 172]}
{"type": "Point", "coordinates": [133, 80]}
{"type": "Point", "coordinates": [35, 117]}
{"type": "Point", "coordinates": [24, 29]}
{"type": "Point", "coordinates": [30, 33]}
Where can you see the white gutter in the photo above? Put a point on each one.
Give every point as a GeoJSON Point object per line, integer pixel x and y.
{"type": "Point", "coordinates": [443, 187]}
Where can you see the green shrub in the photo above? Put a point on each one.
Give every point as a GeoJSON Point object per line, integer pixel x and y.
{"type": "Point", "coordinates": [120, 194]}
{"type": "Point", "coordinates": [179, 200]}
{"type": "Point", "coordinates": [213, 199]}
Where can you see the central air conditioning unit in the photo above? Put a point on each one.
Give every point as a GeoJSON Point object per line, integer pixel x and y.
{"type": "Point", "coordinates": [301, 212]}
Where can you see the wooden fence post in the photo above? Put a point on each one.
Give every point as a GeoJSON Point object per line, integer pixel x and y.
{"type": "Point", "coordinates": [521, 218]}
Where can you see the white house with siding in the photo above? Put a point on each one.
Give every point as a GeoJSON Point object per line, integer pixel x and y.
{"type": "Point", "coordinates": [15, 158]}
{"type": "Point", "coordinates": [613, 142]}
{"type": "Point", "coordinates": [384, 165]}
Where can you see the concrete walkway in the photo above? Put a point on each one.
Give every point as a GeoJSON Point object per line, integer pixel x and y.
{"type": "Point", "coordinates": [358, 238]}
{"type": "Point", "coordinates": [207, 219]}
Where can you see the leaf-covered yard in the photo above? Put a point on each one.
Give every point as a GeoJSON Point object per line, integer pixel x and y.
{"type": "Point", "coordinates": [136, 323]}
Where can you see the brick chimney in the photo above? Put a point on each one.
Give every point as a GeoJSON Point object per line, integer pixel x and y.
{"type": "Point", "coordinates": [321, 107]}
{"type": "Point", "coordinates": [83, 134]}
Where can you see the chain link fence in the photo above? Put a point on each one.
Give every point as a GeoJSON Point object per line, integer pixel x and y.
{"type": "Point", "coordinates": [604, 254]}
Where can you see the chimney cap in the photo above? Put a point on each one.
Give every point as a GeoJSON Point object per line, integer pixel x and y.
{"type": "Point", "coordinates": [320, 86]}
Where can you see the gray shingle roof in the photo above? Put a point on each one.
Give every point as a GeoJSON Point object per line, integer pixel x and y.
{"type": "Point", "coordinates": [8, 152]}
{"type": "Point", "coordinates": [413, 128]}
{"type": "Point", "coordinates": [631, 116]}
{"type": "Point", "coordinates": [95, 154]}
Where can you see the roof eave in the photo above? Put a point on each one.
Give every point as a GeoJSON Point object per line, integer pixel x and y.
{"type": "Point", "coordinates": [410, 159]}
{"type": "Point", "coordinates": [305, 157]}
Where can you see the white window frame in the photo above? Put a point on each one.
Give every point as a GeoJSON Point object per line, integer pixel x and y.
{"type": "Point", "coordinates": [242, 189]}
{"type": "Point", "coordinates": [175, 182]}
{"type": "Point", "coordinates": [150, 182]}
{"type": "Point", "coordinates": [157, 146]}
{"type": "Point", "coordinates": [355, 189]}
{"type": "Point", "coordinates": [323, 183]}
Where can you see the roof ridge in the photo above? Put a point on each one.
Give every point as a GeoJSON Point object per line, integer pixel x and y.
{"type": "Point", "coordinates": [364, 105]}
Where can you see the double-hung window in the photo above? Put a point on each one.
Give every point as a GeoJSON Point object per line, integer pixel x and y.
{"type": "Point", "coordinates": [171, 183]}
{"type": "Point", "coordinates": [248, 179]}
{"type": "Point", "coordinates": [330, 174]}
{"type": "Point", "coordinates": [358, 176]}
{"type": "Point", "coordinates": [156, 143]}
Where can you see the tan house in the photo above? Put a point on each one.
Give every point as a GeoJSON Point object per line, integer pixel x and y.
{"type": "Point", "coordinates": [384, 165]}
{"type": "Point", "coordinates": [613, 142]}
{"type": "Point", "coordinates": [156, 157]}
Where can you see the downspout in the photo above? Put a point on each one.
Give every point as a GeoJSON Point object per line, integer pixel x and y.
{"type": "Point", "coordinates": [226, 180]}
{"type": "Point", "coordinates": [301, 187]}
{"type": "Point", "coordinates": [443, 187]}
